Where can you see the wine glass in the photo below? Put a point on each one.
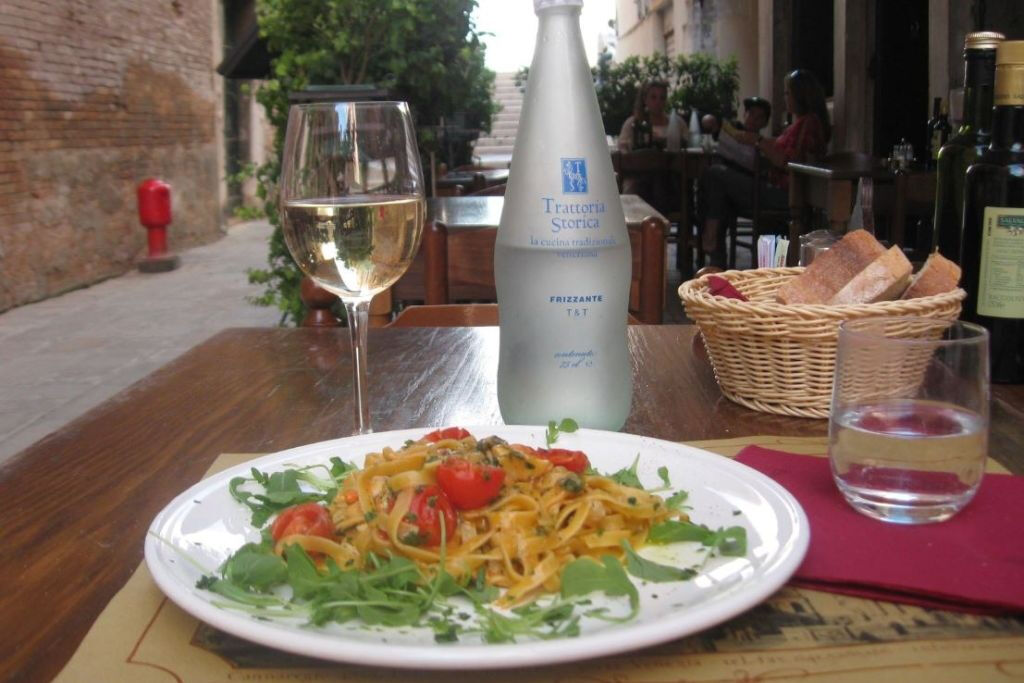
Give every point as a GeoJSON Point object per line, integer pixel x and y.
{"type": "Point", "coordinates": [352, 206]}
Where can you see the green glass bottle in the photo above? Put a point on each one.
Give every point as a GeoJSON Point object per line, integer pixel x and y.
{"type": "Point", "coordinates": [970, 140]}
{"type": "Point", "coordinates": [992, 249]}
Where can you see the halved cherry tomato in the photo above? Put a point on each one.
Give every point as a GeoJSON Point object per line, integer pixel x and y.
{"type": "Point", "coordinates": [310, 519]}
{"type": "Point", "coordinates": [446, 433]}
{"type": "Point", "coordinates": [425, 509]}
{"type": "Point", "coordinates": [469, 485]}
{"type": "Point", "coordinates": [574, 461]}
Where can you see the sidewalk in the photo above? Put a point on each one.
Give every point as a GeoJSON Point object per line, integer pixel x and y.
{"type": "Point", "coordinates": [62, 356]}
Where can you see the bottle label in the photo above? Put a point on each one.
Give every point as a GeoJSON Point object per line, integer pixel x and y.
{"type": "Point", "coordinates": [1001, 277]}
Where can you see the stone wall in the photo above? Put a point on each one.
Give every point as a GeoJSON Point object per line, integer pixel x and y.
{"type": "Point", "coordinates": [95, 96]}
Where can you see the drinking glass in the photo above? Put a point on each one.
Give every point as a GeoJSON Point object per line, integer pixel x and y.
{"type": "Point", "coordinates": [352, 208]}
{"type": "Point", "coordinates": [908, 432]}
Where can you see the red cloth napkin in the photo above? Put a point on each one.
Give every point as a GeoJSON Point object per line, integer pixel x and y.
{"type": "Point", "coordinates": [973, 562]}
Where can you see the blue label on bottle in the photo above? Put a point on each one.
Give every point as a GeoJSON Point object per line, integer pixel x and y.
{"type": "Point", "coordinates": [574, 176]}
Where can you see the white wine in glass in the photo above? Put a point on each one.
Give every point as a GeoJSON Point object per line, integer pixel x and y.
{"type": "Point", "coordinates": [353, 207]}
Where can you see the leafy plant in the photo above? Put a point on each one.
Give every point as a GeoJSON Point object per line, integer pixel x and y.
{"type": "Point", "coordinates": [426, 52]}
{"type": "Point", "coordinates": [698, 81]}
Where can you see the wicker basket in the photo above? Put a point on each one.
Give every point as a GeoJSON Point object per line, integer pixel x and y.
{"type": "Point", "coordinates": [779, 358]}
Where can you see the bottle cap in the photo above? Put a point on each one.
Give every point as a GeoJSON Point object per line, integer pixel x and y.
{"type": "Point", "coordinates": [983, 40]}
{"type": "Point", "coordinates": [538, 5]}
{"type": "Point", "coordinates": [1010, 52]}
{"type": "Point", "coordinates": [1009, 85]}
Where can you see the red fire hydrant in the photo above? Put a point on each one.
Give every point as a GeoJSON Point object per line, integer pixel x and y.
{"type": "Point", "coordinates": [155, 213]}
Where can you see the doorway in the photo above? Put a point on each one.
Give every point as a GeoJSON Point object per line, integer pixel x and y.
{"type": "Point", "coordinates": [899, 67]}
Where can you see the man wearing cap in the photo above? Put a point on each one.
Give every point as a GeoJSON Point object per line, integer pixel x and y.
{"type": "Point", "coordinates": [757, 111]}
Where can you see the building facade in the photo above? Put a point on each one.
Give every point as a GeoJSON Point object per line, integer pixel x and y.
{"type": "Point", "coordinates": [96, 96]}
{"type": "Point", "coordinates": [881, 61]}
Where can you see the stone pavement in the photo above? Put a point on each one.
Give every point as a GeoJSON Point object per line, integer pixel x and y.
{"type": "Point", "coordinates": [62, 356]}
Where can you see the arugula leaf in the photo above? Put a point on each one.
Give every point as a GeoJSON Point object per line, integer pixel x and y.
{"type": "Point", "coordinates": [567, 425]}
{"type": "Point", "coordinates": [647, 570]}
{"type": "Point", "coordinates": [583, 576]}
{"type": "Point", "coordinates": [628, 476]}
{"type": "Point", "coordinates": [676, 500]}
{"type": "Point", "coordinates": [256, 567]}
{"type": "Point", "coordinates": [539, 621]}
{"type": "Point", "coordinates": [663, 473]}
{"type": "Point", "coordinates": [674, 531]}
{"type": "Point", "coordinates": [731, 541]}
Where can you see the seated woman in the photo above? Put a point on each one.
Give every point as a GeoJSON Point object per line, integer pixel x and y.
{"type": "Point", "coordinates": [666, 130]}
{"type": "Point", "coordinates": [727, 191]}
{"type": "Point", "coordinates": [648, 128]}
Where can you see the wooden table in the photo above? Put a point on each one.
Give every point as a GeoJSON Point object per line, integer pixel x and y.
{"type": "Point", "coordinates": [474, 179]}
{"type": "Point", "coordinates": [485, 212]}
{"type": "Point", "coordinates": [830, 185]}
{"type": "Point", "coordinates": [475, 213]}
{"type": "Point", "coordinates": [74, 507]}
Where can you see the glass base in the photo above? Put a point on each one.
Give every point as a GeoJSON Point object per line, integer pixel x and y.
{"type": "Point", "coordinates": [901, 507]}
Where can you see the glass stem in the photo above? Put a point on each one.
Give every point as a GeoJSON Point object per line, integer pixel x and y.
{"type": "Point", "coordinates": [358, 321]}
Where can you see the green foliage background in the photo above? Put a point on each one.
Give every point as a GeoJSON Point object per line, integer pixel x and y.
{"type": "Point", "coordinates": [426, 52]}
{"type": "Point", "coordinates": [698, 81]}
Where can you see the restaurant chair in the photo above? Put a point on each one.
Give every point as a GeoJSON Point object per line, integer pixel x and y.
{"type": "Point", "coordinates": [450, 191]}
{"type": "Point", "coordinates": [910, 195]}
{"type": "Point", "coordinates": [447, 315]}
{"type": "Point", "coordinates": [319, 305]}
{"type": "Point", "coordinates": [761, 220]}
{"type": "Point", "coordinates": [459, 267]}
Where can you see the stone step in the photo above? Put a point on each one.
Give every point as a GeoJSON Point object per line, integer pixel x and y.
{"type": "Point", "coordinates": [492, 149]}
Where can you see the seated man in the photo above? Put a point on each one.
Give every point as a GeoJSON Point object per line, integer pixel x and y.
{"type": "Point", "coordinates": [734, 161]}
{"type": "Point", "coordinates": [756, 113]}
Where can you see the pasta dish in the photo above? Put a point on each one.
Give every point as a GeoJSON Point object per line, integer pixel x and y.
{"type": "Point", "coordinates": [515, 514]}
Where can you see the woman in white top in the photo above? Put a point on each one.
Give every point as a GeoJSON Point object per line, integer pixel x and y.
{"type": "Point", "coordinates": [666, 128]}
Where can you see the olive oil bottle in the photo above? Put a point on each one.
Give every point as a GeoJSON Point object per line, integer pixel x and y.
{"type": "Point", "coordinates": [992, 249]}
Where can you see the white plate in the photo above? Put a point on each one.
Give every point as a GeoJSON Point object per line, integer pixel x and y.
{"type": "Point", "coordinates": [208, 525]}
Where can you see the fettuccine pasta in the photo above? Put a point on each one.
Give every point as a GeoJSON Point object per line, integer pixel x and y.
{"type": "Point", "coordinates": [542, 514]}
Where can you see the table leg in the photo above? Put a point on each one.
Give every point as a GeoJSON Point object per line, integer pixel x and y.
{"type": "Point", "coordinates": [797, 191]}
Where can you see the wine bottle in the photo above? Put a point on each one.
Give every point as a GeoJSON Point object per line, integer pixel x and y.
{"type": "Point", "coordinates": [562, 257]}
{"type": "Point", "coordinates": [939, 131]}
{"type": "Point", "coordinates": [992, 249]}
{"type": "Point", "coordinates": [970, 140]}
{"type": "Point", "coordinates": [929, 156]}
{"type": "Point", "coordinates": [643, 134]}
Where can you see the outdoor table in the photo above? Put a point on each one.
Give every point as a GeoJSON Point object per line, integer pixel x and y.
{"type": "Point", "coordinates": [467, 177]}
{"type": "Point", "coordinates": [75, 506]}
{"type": "Point", "coordinates": [475, 213]}
{"type": "Point", "coordinates": [830, 185]}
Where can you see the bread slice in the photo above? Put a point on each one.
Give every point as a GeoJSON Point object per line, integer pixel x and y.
{"type": "Point", "coordinates": [831, 270]}
{"type": "Point", "coordinates": [884, 279]}
{"type": "Point", "coordinates": [938, 275]}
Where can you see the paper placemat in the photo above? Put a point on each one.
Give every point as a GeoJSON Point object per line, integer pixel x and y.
{"type": "Point", "coordinates": [141, 636]}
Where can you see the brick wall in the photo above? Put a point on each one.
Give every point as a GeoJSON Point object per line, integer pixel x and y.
{"type": "Point", "coordinates": [95, 96]}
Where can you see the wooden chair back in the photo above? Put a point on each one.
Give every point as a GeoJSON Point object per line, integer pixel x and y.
{"type": "Point", "coordinates": [447, 315]}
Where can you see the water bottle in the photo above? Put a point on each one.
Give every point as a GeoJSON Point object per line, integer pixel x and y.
{"type": "Point", "coordinates": [562, 258]}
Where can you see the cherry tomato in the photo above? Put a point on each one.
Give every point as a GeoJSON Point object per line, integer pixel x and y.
{"type": "Point", "coordinates": [446, 433]}
{"type": "Point", "coordinates": [469, 485]}
{"type": "Point", "coordinates": [310, 519]}
{"type": "Point", "coordinates": [574, 461]}
{"type": "Point", "coordinates": [425, 510]}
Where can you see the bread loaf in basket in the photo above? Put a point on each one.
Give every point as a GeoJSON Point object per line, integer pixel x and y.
{"type": "Point", "coordinates": [779, 358]}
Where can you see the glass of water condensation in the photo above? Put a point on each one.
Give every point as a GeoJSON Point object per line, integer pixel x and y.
{"type": "Point", "coordinates": [908, 432]}
{"type": "Point", "coordinates": [352, 208]}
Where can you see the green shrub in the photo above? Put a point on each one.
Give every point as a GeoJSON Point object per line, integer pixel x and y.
{"type": "Point", "coordinates": [698, 81]}
{"type": "Point", "coordinates": [426, 52]}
